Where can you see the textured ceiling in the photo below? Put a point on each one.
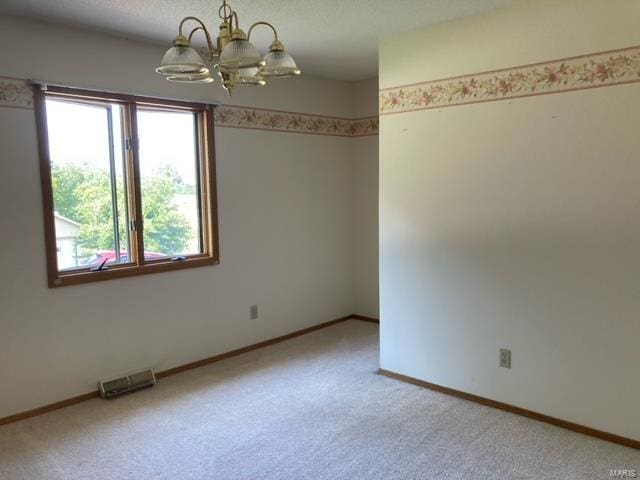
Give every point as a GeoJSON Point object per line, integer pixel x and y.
{"type": "Point", "coordinates": [331, 38]}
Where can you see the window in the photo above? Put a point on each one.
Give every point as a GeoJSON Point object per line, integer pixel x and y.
{"type": "Point", "coordinates": [128, 184]}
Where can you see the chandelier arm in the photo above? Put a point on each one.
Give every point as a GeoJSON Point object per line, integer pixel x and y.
{"type": "Point", "coordinates": [201, 27]}
{"type": "Point", "coordinates": [234, 15]}
{"type": "Point", "coordinates": [275, 32]}
{"type": "Point", "coordinates": [192, 33]}
{"type": "Point", "coordinates": [212, 52]}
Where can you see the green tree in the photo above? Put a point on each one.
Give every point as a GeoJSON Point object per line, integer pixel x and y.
{"type": "Point", "coordinates": [166, 230]}
{"type": "Point", "coordinates": [83, 194]}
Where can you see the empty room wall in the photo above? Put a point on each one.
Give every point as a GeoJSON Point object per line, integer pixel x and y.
{"type": "Point", "coordinates": [510, 220]}
{"type": "Point", "coordinates": [285, 215]}
{"type": "Point", "coordinates": [365, 205]}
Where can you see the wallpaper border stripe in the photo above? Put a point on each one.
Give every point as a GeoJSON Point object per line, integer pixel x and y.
{"type": "Point", "coordinates": [291, 122]}
{"type": "Point", "coordinates": [16, 93]}
{"type": "Point", "coordinates": [582, 72]}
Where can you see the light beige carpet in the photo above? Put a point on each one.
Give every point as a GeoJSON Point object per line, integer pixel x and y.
{"type": "Point", "coordinates": [309, 408]}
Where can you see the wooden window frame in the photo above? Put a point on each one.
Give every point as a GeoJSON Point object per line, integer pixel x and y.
{"type": "Point", "coordinates": [208, 193]}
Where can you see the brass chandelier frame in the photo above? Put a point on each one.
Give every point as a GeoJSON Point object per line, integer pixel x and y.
{"type": "Point", "coordinates": [231, 55]}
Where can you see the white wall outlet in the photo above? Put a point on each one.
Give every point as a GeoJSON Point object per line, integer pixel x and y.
{"type": "Point", "coordinates": [253, 312]}
{"type": "Point", "coordinates": [505, 358]}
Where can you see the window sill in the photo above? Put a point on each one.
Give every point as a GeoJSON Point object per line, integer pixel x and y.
{"type": "Point", "coordinates": [77, 278]}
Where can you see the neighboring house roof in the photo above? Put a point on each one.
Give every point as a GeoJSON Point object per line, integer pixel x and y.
{"type": "Point", "coordinates": [65, 219]}
{"type": "Point", "coordinates": [65, 227]}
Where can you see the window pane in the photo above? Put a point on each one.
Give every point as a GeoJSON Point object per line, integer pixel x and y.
{"type": "Point", "coordinates": [87, 175]}
{"type": "Point", "coordinates": [170, 183]}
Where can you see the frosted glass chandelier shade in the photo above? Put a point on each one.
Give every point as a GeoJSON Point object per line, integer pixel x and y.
{"type": "Point", "coordinates": [240, 53]}
{"type": "Point", "coordinates": [182, 60]}
{"type": "Point", "coordinates": [279, 63]}
{"type": "Point", "coordinates": [248, 76]}
{"type": "Point", "coordinates": [189, 78]}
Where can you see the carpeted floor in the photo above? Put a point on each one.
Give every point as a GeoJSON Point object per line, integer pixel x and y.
{"type": "Point", "coordinates": [309, 408]}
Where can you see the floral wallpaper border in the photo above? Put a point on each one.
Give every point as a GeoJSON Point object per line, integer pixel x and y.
{"type": "Point", "coordinates": [275, 120]}
{"type": "Point", "coordinates": [603, 69]}
{"type": "Point", "coordinates": [15, 92]}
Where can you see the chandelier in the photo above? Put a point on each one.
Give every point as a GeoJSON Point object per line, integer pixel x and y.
{"type": "Point", "coordinates": [233, 56]}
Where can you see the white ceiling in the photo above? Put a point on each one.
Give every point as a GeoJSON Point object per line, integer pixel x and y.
{"type": "Point", "coordinates": [331, 38]}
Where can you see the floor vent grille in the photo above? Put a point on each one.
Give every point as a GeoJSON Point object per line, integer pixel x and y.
{"type": "Point", "coordinates": [114, 387]}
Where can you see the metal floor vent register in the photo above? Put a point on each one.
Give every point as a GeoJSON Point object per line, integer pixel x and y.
{"type": "Point", "coordinates": [128, 383]}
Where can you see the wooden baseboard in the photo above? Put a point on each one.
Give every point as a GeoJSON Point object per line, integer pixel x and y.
{"type": "Point", "coordinates": [48, 408]}
{"type": "Point", "coordinates": [366, 319]}
{"type": "Point", "coordinates": [628, 442]}
{"type": "Point", "coordinates": [172, 371]}
{"type": "Point", "coordinates": [248, 348]}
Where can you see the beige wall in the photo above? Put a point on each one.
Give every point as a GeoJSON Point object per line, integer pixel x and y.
{"type": "Point", "coordinates": [515, 223]}
{"type": "Point", "coordinates": [365, 205]}
{"type": "Point", "coordinates": [286, 213]}
{"type": "Point", "coordinates": [364, 225]}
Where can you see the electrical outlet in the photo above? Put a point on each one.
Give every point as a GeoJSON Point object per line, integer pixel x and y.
{"type": "Point", "coordinates": [505, 358]}
{"type": "Point", "coordinates": [253, 312]}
